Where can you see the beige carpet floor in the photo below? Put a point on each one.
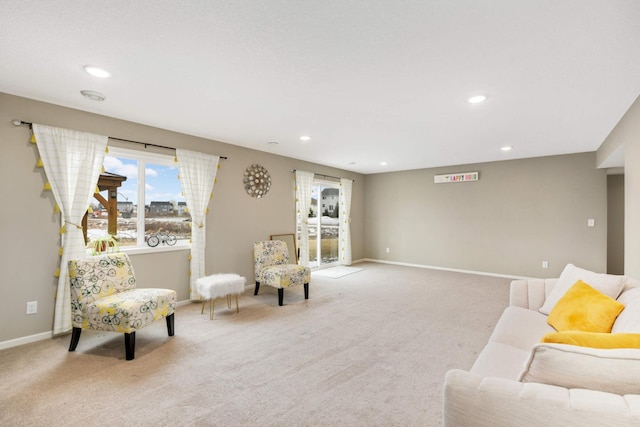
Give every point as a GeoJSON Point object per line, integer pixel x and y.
{"type": "Point", "coordinates": [367, 349]}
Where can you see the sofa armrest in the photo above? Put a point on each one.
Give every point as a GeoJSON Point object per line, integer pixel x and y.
{"type": "Point", "coordinates": [472, 400]}
{"type": "Point", "coordinates": [530, 293]}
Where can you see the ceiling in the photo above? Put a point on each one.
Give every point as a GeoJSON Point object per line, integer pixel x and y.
{"type": "Point", "coordinates": [369, 81]}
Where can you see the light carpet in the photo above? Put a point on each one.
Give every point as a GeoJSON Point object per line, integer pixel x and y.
{"type": "Point", "coordinates": [336, 272]}
{"type": "Point", "coordinates": [370, 349]}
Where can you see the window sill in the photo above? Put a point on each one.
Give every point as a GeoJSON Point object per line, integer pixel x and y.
{"type": "Point", "coordinates": [134, 250]}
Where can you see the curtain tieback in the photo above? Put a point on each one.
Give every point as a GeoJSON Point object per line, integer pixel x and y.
{"type": "Point", "coordinates": [79, 227]}
{"type": "Point", "coordinates": [201, 225]}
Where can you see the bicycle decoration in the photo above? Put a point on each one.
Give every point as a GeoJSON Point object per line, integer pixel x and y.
{"type": "Point", "coordinates": [163, 237]}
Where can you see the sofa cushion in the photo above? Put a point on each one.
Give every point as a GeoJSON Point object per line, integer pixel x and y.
{"type": "Point", "coordinates": [500, 360]}
{"type": "Point", "coordinates": [608, 284]}
{"type": "Point", "coordinates": [629, 319]}
{"type": "Point", "coordinates": [594, 339]}
{"type": "Point", "coordinates": [520, 328]}
{"type": "Point", "coordinates": [583, 308]}
{"type": "Point", "coordinates": [474, 401]}
{"type": "Point", "coordinates": [614, 371]}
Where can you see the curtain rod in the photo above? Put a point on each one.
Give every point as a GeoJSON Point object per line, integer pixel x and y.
{"type": "Point", "coordinates": [146, 144]}
{"type": "Point", "coordinates": [326, 176]}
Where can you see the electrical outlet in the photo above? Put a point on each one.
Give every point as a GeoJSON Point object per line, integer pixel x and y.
{"type": "Point", "coordinates": [545, 264]}
{"type": "Point", "coordinates": [387, 250]}
{"type": "Point", "coordinates": [32, 307]}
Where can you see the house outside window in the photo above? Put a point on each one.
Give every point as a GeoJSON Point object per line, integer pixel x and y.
{"type": "Point", "coordinates": [151, 182]}
{"type": "Point", "coordinates": [331, 196]}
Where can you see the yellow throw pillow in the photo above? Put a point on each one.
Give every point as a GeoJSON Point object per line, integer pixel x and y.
{"type": "Point", "coordinates": [583, 308]}
{"type": "Point", "coordinates": [594, 339]}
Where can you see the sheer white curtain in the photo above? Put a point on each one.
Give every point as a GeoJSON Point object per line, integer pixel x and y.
{"type": "Point", "coordinates": [197, 175]}
{"type": "Point", "coordinates": [304, 187]}
{"type": "Point", "coordinates": [344, 231]}
{"type": "Point", "coordinates": [72, 161]}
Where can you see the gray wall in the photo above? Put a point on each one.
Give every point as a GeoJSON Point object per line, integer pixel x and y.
{"type": "Point", "coordinates": [615, 224]}
{"type": "Point", "coordinates": [518, 214]}
{"type": "Point", "coordinates": [625, 139]}
{"type": "Point", "coordinates": [29, 228]}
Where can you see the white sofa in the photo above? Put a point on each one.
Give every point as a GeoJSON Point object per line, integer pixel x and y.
{"type": "Point", "coordinates": [519, 381]}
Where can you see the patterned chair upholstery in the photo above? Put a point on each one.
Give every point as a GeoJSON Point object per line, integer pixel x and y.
{"type": "Point", "coordinates": [272, 268]}
{"type": "Point", "coordinates": [104, 297]}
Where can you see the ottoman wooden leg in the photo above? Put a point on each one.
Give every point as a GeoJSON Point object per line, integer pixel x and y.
{"type": "Point", "coordinates": [237, 308]}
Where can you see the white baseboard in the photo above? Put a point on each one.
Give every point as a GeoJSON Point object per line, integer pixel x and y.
{"type": "Point", "coordinates": [25, 340]}
{"type": "Point", "coordinates": [455, 270]}
{"type": "Point", "coordinates": [46, 335]}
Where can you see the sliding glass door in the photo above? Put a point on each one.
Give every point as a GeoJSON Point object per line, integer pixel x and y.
{"type": "Point", "coordinates": [323, 223]}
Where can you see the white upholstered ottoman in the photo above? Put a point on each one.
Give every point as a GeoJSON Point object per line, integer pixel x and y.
{"type": "Point", "coordinates": [218, 286]}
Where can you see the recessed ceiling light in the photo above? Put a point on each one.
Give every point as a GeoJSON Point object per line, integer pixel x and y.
{"type": "Point", "coordinates": [273, 143]}
{"type": "Point", "coordinates": [305, 138]}
{"type": "Point", "coordinates": [351, 163]}
{"type": "Point", "coordinates": [476, 99]}
{"type": "Point", "coordinates": [383, 163]}
{"type": "Point", "coordinates": [97, 71]}
{"type": "Point", "coordinates": [506, 148]}
{"type": "Point", "coordinates": [93, 95]}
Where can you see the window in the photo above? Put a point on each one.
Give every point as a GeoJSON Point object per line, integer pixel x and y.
{"type": "Point", "coordinates": [151, 211]}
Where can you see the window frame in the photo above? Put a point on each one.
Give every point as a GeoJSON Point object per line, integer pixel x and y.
{"type": "Point", "coordinates": [317, 222]}
{"type": "Point", "coordinates": [143, 158]}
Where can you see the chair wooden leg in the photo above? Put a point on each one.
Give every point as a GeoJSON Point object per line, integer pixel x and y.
{"type": "Point", "coordinates": [170, 325]}
{"type": "Point", "coordinates": [257, 287]}
{"type": "Point", "coordinates": [75, 337]}
{"type": "Point", "coordinates": [130, 345]}
{"type": "Point", "coordinates": [306, 291]}
{"type": "Point", "coordinates": [280, 296]}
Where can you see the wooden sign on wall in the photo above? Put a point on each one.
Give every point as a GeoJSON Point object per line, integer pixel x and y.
{"type": "Point", "coordinates": [456, 177]}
